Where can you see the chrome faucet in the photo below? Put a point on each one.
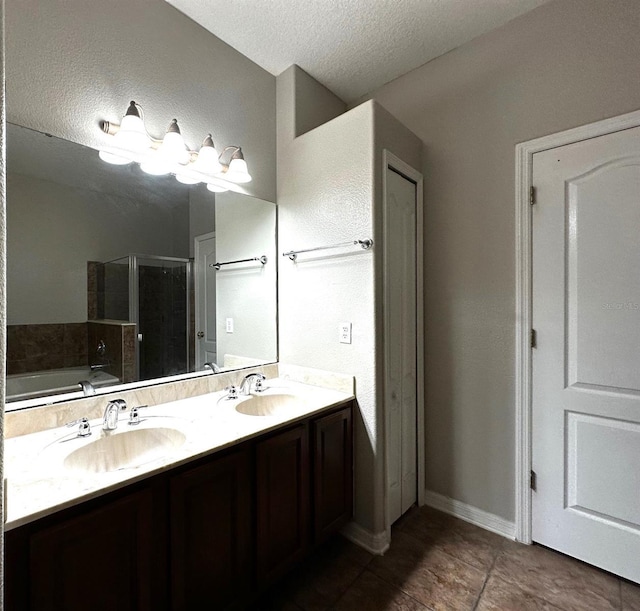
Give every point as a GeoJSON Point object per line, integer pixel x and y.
{"type": "Point", "coordinates": [212, 366]}
{"type": "Point", "coordinates": [110, 419]}
{"type": "Point", "coordinates": [245, 387]}
{"type": "Point", "coordinates": [87, 388]}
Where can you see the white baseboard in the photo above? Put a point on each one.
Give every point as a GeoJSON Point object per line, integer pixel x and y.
{"type": "Point", "coordinates": [471, 514]}
{"type": "Point", "coordinates": [374, 543]}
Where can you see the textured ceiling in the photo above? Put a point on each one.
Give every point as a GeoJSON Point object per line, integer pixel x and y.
{"type": "Point", "coordinates": [350, 46]}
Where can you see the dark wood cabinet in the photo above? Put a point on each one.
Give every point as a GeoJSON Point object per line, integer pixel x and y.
{"type": "Point", "coordinates": [102, 560]}
{"type": "Point", "coordinates": [332, 438]}
{"type": "Point", "coordinates": [206, 535]}
{"type": "Point", "coordinates": [282, 502]}
{"type": "Point", "coordinates": [210, 532]}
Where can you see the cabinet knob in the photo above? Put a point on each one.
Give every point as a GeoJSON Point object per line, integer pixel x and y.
{"type": "Point", "coordinates": [200, 334]}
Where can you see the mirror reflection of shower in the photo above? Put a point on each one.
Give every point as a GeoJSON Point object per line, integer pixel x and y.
{"type": "Point", "coordinates": [154, 293]}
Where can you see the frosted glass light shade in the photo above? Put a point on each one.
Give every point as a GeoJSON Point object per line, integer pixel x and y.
{"type": "Point", "coordinates": [216, 188]}
{"type": "Point", "coordinates": [132, 134]}
{"type": "Point", "coordinates": [155, 167]}
{"type": "Point", "coordinates": [208, 159]}
{"type": "Point", "coordinates": [113, 158]}
{"type": "Point", "coordinates": [187, 179]}
{"type": "Point", "coordinates": [173, 149]}
{"type": "Point", "coordinates": [237, 172]}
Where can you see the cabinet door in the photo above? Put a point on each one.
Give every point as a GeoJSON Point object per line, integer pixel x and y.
{"type": "Point", "coordinates": [101, 560]}
{"type": "Point", "coordinates": [282, 474]}
{"type": "Point", "coordinates": [332, 473]}
{"type": "Point", "coordinates": [211, 533]}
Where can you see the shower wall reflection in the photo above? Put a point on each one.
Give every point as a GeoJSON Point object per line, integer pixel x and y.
{"type": "Point", "coordinates": [152, 292]}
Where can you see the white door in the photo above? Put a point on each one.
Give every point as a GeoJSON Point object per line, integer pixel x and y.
{"type": "Point", "coordinates": [400, 341]}
{"type": "Point", "coordinates": [205, 298]}
{"type": "Point", "coordinates": [586, 367]}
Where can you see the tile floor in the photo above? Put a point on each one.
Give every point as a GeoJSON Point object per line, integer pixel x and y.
{"type": "Point", "coordinates": [437, 562]}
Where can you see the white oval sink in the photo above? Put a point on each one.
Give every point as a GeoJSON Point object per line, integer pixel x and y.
{"type": "Point", "coordinates": [269, 405]}
{"type": "Point", "coordinates": [131, 448]}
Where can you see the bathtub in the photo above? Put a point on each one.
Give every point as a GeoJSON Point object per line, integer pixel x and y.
{"type": "Point", "coordinates": [22, 386]}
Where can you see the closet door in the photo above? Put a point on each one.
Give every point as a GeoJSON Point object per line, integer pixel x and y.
{"type": "Point", "coordinates": [400, 341]}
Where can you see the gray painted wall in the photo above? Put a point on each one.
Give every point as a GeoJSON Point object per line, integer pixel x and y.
{"type": "Point", "coordinates": [246, 292]}
{"type": "Point", "coordinates": [567, 63]}
{"type": "Point", "coordinates": [313, 103]}
{"type": "Point", "coordinates": [54, 229]}
{"type": "Point", "coordinates": [322, 203]}
{"type": "Point", "coordinates": [71, 64]}
{"type": "Point", "coordinates": [330, 191]}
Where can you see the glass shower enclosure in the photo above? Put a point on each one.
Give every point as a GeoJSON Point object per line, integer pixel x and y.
{"type": "Point", "coordinates": [154, 293]}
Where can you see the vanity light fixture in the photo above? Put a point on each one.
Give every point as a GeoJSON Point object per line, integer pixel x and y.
{"type": "Point", "coordinates": [132, 143]}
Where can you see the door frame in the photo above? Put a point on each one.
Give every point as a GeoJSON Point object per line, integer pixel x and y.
{"type": "Point", "coordinates": [524, 305]}
{"type": "Point", "coordinates": [196, 288]}
{"type": "Point", "coordinates": [390, 160]}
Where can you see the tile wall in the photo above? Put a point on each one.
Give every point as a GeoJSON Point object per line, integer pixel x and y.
{"type": "Point", "coordinates": [46, 346]}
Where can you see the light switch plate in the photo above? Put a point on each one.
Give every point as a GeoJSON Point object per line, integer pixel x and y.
{"type": "Point", "coordinates": [345, 332]}
{"type": "Point", "coordinates": [229, 323]}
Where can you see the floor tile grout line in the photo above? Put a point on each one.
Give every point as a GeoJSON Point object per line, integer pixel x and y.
{"type": "Point", "coordinates": [620, 593]}
{"type": "Point", "coordinates": [394, 587]}
{"type": "Point", "coordinates": [486, 579]}
{"type": "Point", "coordinates": [473, 566]}
{"type": "Point", "coordinates": [428, 607]}
{"type": "Point", "coordinates": [342, 594]}
{"type": "Point", "coordinates": [362, 570]}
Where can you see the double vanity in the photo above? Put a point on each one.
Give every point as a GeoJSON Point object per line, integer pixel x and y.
{"type": "Point", "coordinates": [197, 503]}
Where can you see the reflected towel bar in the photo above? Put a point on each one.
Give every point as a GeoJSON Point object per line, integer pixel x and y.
{"type": "Point", "coordinates": [365, 244]}
{"type": "Point", "coordinates": [262, 260]}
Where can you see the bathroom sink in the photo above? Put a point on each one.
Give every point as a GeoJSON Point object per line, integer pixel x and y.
{"type": "Point", "coordinates": [272, 404]}
{"type": "Point", "coordinates": [124, 450]}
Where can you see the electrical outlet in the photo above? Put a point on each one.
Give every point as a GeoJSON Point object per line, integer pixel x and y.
{"type": "Point", "coordinates": [229, 322]}
{"type": "Point", "coordinates": [345, 332]}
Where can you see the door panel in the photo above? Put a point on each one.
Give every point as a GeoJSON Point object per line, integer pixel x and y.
{"type": "Point", "coordinates": [282, 501]}
{"type": "Point", "coordinates": [205, 298]}
{"type": "Point", "coordinates": [210, 530]}
{"type": "Point", "coordinates": [597, 447]}
{"type": "Point", "coordinates": [332, 472]}
{"type": "Point", "coordinates": [586, 367]}
{"type": "Point", "coordinates": [118, 538]}
{"type": "Point", "coordinates": [603, 292]}
{"type": "Point", "coordinates": [400, 339]}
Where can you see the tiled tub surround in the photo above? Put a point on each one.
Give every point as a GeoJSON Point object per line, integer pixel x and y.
{"type": "Point", "coordinates": [46, 346]}
{"type": "Point", "coordinates": [36, 384]}
{"type": "Point", "coordinates": [42, 347]}
{"type": "Point", "coordinates": [38, 484]}
{"type": "Point", "coordinates": [120, 341]}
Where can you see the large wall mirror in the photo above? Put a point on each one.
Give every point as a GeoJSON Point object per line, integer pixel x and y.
{"type": "Point", "coordinates": [114, 276]}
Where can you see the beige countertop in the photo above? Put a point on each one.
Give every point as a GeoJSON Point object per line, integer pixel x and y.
{"type": "Point", "coordinates": [38, 482]}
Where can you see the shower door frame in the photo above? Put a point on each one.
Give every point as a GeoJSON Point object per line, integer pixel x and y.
{"type": "Point", "coordinates": [134, 298]}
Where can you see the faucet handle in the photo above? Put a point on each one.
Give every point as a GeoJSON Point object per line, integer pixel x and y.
{"type": "Point", "coordinates": [84, 428]}
{"type": "Point", "coordinates": [134, 416]}
{"type": "Point", "coordinates": [259, 385]}
{"type": "Point", "coordinates": [232, 392]}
